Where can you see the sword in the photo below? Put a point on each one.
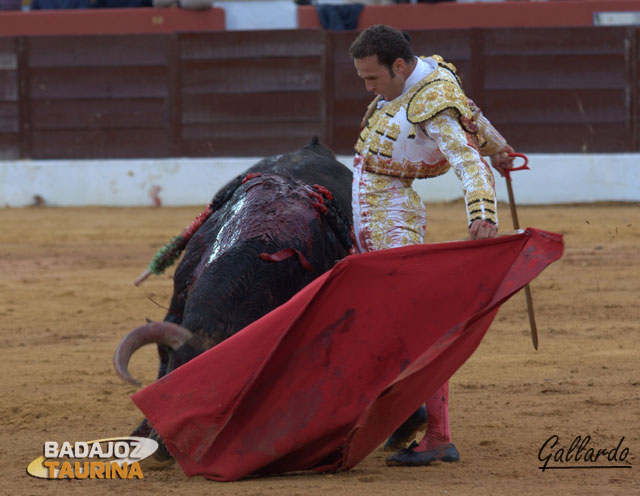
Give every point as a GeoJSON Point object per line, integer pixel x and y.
{"type": "Point", "coordinates": [516, 225]}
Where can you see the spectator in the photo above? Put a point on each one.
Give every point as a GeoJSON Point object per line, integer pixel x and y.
{"type": "Point", "coordinates": [185, 4]}
{"type": "Point", "coordinates": [342, 15]}
{"type": "Point", "coordinates": [10, 4]}
{"type": "Point", "coordinates": [61, 4]}
{"type": "Point", "coordinates": [87, 4]}
{"type": "Point", "coordinates": [120, 4]}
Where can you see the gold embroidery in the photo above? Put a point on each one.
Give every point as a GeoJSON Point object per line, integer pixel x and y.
{"type": "Point", "coordinates": [381, 125]}
{"type": "Point", "coordinates": [434, 97]}
{"type": "Point", "coordinates": [392, 213]}
{"type": "Point", "coordinates": [472, 170]}
{"type": "Point", "coordinates": [392, 108]}
{"type": "Point", "coordinates": [406, 169]}
{"type": "Point", "coordinates": [386, 150]}
{"type": "Point", "coordinates": [481, 205]}
{"type": "Point", "coordinates": [393, 131]}
{"type": "Point", "coordinates": [381, 182]}
{"type": "Point", "coordinates": [359, 146]}
{"type": "Point", "coordinates": [378, 216]}
{"type": "Point", "coordinates": [447, 65]}
{"type": "Point", "coordinates": [374, 144]}
{"type": "Point", "coordinates": [379, 153]}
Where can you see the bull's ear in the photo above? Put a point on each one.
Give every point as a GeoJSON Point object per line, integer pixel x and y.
{"type": "Point", "coordinates": [317, 147]}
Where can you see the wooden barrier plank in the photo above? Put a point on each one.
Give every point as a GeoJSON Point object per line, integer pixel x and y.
{"type": "Point", "coordinates": [347, 84]}
{"type": "Point", "coordinates": [634, 78]}
{"type": "Point", "coordinates": [290, 107]}
{"type": "Point", "coordinates": [9, 146]}
{"type": "Point", "coordinates": [350, 97]}
{"type": "Point", "coordinates": [251, 44]}
{"type": "Point", "coordinates": [98, 82]}
{"type": "Point", "coordinates": [255, 139]}
{"type": "Point", "coordinates": [9, 117]}
{"type": "Point", "coordinates": [252, 76]}
{"type": "Point", "coordinates": [573, 81]}
{"type": "Point", "coordinates": [248, 131]}
{"type": "Point", "coordinates": [448, 43]}
{"type": "Point", "coordinates": [175, 95]}
{"type": "Point", "coordinates": [8, 56]}
{"type": "Point", "coordinates": [555, 72]}
{"type": "Point", "coordinates": [99, 51]}
{"type": "Point", "coordinates": [22, 45]}
{"type": "Point", "coordinates": [9, 85]}
{"type": "Point", "coordinates": [561, 106]}
{"type": "Point", "coordinates": [328, 90]}
{"type": "Point", "coordinates": [544, 41]}
{"type": "Point", "coordinates": [99, 114]}
{"type": "Point", "coordinates": [567, 138]}
{"type": "Point", "coordinates": [260, 146]}
{"type": "Point", "coordinates": [112, 143]}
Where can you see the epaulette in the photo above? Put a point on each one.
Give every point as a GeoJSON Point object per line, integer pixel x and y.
{"type": "Point", "coordinates": [447, 65]}
{"type": "Point", "coordinates": [438, 94]}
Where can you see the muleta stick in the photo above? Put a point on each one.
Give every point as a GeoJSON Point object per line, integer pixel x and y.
{"type": "Point", "coordinates": [516, 225]}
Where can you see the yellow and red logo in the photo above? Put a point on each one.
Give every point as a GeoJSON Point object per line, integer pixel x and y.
{"type": "Point", "coordinates": [112, 458]}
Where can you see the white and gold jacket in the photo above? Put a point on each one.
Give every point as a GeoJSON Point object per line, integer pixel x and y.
{"type": "Point", "coordinates": [432, 127]}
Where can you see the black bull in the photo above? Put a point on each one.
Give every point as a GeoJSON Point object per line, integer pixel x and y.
{"type": "Point", "coordinates": [273, 229]}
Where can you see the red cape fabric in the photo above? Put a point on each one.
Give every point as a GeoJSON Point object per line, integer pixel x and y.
{"type": "Point", "coordinates": [322, 380]}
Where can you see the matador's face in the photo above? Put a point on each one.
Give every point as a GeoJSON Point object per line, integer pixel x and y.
{"type": "Point", "coordinates": [377, 77]}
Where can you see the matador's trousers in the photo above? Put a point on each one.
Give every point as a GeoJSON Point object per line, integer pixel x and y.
{"type": "Point", "coordinates": [388, 213]}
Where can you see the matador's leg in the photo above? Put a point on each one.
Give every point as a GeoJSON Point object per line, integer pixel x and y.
{"type": "Point", "coordinates": [436, 444]}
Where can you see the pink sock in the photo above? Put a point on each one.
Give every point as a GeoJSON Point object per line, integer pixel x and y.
{"type": "Point", "coordinates": [438, 433]}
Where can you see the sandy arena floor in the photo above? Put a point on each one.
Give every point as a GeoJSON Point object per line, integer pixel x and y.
{"type": "Point", "coordinates": [66, 299]}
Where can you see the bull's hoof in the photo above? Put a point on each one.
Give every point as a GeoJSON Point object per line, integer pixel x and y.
{"type": "Point", "coordinates": [404, 433]}
{"type": "Point", "coordinates": [161, 459]}
{"type": "Point", "coordinates": [409, 458]}
{"type": "Point", "coordinates": [143, 430]}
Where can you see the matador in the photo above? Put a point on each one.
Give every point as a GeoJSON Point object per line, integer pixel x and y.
{"type": "Point", "coordinates": [420, 125]}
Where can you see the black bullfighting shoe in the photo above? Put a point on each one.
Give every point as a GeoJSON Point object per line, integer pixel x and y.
{"type": "Point", "coordinates": [409, 458]}
{"type": "Point", "coordinates": [402, 434]}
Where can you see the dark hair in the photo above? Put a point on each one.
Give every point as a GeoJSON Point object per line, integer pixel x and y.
{"type": "Point", "coordinates": [386, 42]}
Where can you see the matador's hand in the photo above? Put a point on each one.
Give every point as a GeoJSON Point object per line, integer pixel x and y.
{"type": "Point", "coordinates": [482, 229]}
{"type": "Point", "coordinates": [501, 160]}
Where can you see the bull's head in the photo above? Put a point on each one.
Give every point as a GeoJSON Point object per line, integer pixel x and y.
{"type": "Point", "coordinates": [164, 333]}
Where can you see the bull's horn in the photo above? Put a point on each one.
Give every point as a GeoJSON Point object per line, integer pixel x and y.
{"type": "Point", "coordinates": [166, 333]}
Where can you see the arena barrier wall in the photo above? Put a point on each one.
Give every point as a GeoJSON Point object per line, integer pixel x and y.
{"type": "Point", "coordinates": [255, 93]}
{"type": "Point", "coordinates": [553, 179]}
